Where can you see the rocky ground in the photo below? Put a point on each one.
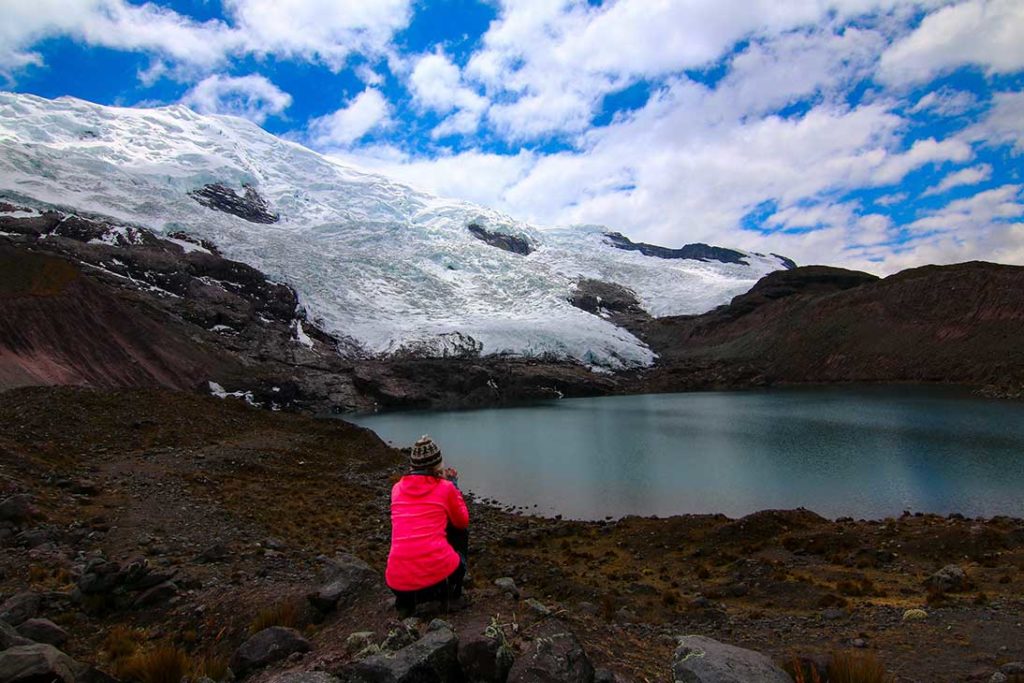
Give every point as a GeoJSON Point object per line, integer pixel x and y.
{"type": "Point", "coordinates": [145, 524]}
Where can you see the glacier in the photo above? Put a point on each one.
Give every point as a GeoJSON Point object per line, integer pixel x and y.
{"type": "Point", "coordinates": [374, 262]}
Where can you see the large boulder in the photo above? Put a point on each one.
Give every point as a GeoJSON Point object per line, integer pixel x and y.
{"type": "Point", "coordinates": [43, 631]}
{"type": "Point", "coordinates": [266, 647]}
{"type": "Point", "coordinates": [484, 655]}
{"type": "Point", "coordinates": [699, 659]}
{"type": "Point", "coordinates": [11, 638]}
{"type": "Point", "coordinates": [949, 579]}
{"type": "Point", "coordinates": [347, 575]}
{"type": "Point", "coordinates": [431, 659]}
{"type": "Point", "coordinates": [20, 607]}
{"type": "Point", "coordinates": [554, 656]}
{"type": "Point", "coordinates": [36, 663]}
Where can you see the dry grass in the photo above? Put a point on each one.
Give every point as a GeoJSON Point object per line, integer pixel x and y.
{"type": "Point", "coordinates": [121, 642]}
{"type": "Point", "coordinates": [285, 613]}
{"type": "Point", "coordinates": [162, 664]}
{"type": "Point", "coordinates": [857, 667]}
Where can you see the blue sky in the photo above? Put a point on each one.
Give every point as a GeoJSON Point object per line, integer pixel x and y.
{"type": "Point", "coordinates": [876, 134]}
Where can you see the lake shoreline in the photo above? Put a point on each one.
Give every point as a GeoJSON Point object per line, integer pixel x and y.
{"type": "Point", "coordinates": [239, 503]}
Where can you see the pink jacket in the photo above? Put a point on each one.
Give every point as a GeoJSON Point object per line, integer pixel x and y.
{"type": "Point", "coordinates": [421, 507]}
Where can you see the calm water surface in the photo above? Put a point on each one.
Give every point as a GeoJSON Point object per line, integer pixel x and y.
{"type": "Point", "coordinates": [867, 453]}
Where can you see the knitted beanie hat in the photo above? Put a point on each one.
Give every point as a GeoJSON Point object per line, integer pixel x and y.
{"type": "Point", "coordinates": [425, 454]}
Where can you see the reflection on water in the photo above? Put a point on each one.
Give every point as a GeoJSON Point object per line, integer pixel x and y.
{"type": "Point", "coordinates": [867, 452]}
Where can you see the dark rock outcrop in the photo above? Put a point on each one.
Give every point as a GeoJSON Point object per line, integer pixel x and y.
{"type": "Point", "coordinates": [431, 659]}
{"type": "Point", "coordinates": [36, 663]}
{"type": "Point", "coordinates": [516, 245]}
{"type": "Point", "coordinates": [609, 300]}
{"type": "Point", "coordinates": [250, 206]}
{"type": "Point", "coordinates": [43, 631]}
{"type": "Point", "coordinates": [346, 577]}
{"type": "Point", "coordinates": [554, 656]}
{"type": "Point", "coordinates": [699, 659]}
{"type": "Point", "coordinates": [9, 637]}
{"type": "Point", "coordinates": [697, 251]}
{"type": "Point", "coordinates": [266, 647]}
{"type": "Point", "coordinates": [21, 607]}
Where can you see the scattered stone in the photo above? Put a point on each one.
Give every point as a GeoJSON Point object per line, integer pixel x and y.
{"type": "Point", "coordinates": [218, 552]}
{"type": "Point", "coordinates": [43, 631]}
{"type": "Point", "coordinates": [626, 615]}
{"type": "Point", "coordinates": [699, 659]}
{"type": "Point", "coordinates": [157, 594]}
{"type": "Point", "coordinates": [436, 624]}
{"type": "Point", "coordinates": [507, 585]}
{"type": "Point", "coordinates": [17, 509]}
{"type": "Point", "coordinates": [434, 657]}
{"type": "Point", "coordinates": [303, 677]}
{"type": "Point", "coordinates": [347, 575]}
{"type": "Point", "coordinates": [914, 615]}
{"type": "Point", "coordinates": [832, 614]}
{"type": "Point", "coordinates": [607, 676]}
{"type": "Point", "coordinates": [1012, 669]}
{"type": "Point", "coordinates": [399, 636]}
{"type": "Point", "coordinates": [20, 607]}
{"type": "Point", "coordinates": [949, 579]}
{"type": "Point", "coordinates": [859, 643]}
{"type": "Point", "coordinates": [274, 544]}
{"type": "Point", "coordinates": [39, 662]}
{"type": "Point", "coordinates": [554, 655]}
{"type": "Point", "coordinates": [538, 607]}
{"type": "Point", "coordinates": [11, 638]}
{"type": "Point", "coordinates": [998, 677]}
{"type": "Point", "coordinates": [358, 641]}
{"type": "Point", "coordinates": [266, 647]}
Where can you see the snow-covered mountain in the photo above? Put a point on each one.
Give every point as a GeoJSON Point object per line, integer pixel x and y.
{"type": "Point", "coordinates": [372, 260]}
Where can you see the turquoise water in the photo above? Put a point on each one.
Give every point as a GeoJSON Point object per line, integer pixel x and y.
{"type": "Point", "coordinates": [865, 453]}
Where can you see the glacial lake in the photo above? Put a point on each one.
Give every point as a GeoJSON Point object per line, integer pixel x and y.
{"type": "Point", "coordinates": [868, 452]}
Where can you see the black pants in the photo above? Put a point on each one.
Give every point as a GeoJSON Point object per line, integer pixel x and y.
{"type": "Point", "coordinates": [443, 591]}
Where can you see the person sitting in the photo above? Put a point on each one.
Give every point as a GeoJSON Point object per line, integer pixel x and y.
{"type": "Point", "coordinates": [429, 533]}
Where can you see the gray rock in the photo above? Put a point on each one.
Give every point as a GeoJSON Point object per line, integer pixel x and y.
{"type": "Point", "coordinates": [431, 659]}
{"type": "Point", "coordinates": [303, 677]}
{"type": "Point", "coordinates": [554, 656]}
{"type": "Point", "coordinates": [436, 624]}
{"type": "Point", "coordinates": [157, 594]}
{"type": "Point", "coordinates": [43, 631]}
{"type": "Point", "coordinates": [1012, 669]}
{"type": "Point", "coordinates": [485, 659]}
{"type": "Point", "coordinates": [358, 641]}
{"type": "Point", "coordinates": [20, 607]}
{"type": "Point", "coordinates": [606, 676]}
{"type": "Point", "coordinates": [507, 585]}
{"type": "Point", "coordinates": [998, 677]}
{"type": "Point", "coordinates": [699, 659]}
{"type": "Point", "coordinates": [538, 607]}
{"type": "Point", "coordinates": [347, 575]}
{"type": "Point", "coordinates": [218, 552]}
{"type": "Point", "coordinates": [949, 579]}
{"type": "Point", "coordinates": [17, 509]}
{"type": "Point", "coordinates": [11, 638]}
{"type": "Point", "coordinates": [40, 662]}
{"type": "Point", "coordinates": [266, 647]}
{"type": "Point", "coordinates": [399, 636]}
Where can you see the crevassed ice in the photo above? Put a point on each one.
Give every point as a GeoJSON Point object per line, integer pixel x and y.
{"type": "Point", "coordinates": [371, 259]}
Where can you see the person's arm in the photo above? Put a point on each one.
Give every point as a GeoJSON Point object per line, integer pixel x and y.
{"type": "Point", "coordinates": [458, 514]}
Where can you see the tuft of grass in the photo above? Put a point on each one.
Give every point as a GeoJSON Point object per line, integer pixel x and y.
{"type": "Point", "coordinates": [282, 614]}
{"type": "Point", "coordinates": [802, 671]}
{"type": "Point", "coordinates": [210, 666]}
{"type": "Point", "coordinates": [162, 664]}
{"type": "Point", "coordinates": [857, 667]}
{"type": "Point", "coordinates": [121, 642]}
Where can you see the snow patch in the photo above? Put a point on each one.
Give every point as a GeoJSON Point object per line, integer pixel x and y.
{"type": "Point", "coordinates": [220, 392]}
{"type": "Point", "coordinates": [300, 335]}
{"type": "Point", "coordinates": [189, 247]}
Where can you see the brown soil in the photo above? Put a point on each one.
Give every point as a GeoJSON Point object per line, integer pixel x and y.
{"type": "Point", "coordinates": [175, 474]}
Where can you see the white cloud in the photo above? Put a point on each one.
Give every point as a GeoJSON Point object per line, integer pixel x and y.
{"type": "Point", "coordinates": [436, 85]}
{"type": "Point", "coordinates": [326, 31]}
{"type": "Point", "coordinates": [319, 30]}
{"type": "Point", "coordinates": [366, 112]}
{"type": "Point", "coordinates": [114, 24]}
{"type": "Point", "coordinates": [986, 33]}
{"type": "Point", "coordinates": [965, 177]}
{"type": "Point", "coordinates": [945, 102]}
{"type": "Point", "coordinates": [1003, 124]}
{"type": "Point", "coordinates": [978, 212]}
{"type": "Point", "coordinates": [921, 153]}
{"type": "Point", "coordinates": [251, 97]}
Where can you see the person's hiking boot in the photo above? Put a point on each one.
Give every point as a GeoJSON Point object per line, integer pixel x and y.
{"type": "Point", "coordinates": [460, 603]}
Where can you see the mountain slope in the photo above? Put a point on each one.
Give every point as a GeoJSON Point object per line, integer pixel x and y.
{"type": "Point", "coordinates": [380, 264]}
{"type": "Point", "coordinates": [960, 323]}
